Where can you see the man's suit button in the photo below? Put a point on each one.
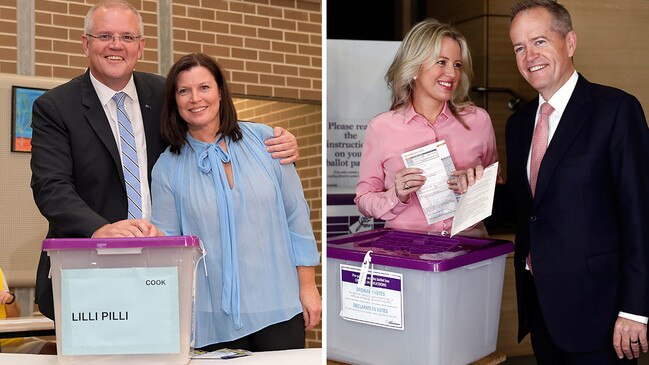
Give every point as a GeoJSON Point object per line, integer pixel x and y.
{"type": "Point", "coordinates": [533, 218]}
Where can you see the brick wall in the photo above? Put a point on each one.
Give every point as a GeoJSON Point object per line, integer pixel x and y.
{"type": "Point", "coordinates": [271, 50]}
{"type": "Point", "coordinates": [8, 39]}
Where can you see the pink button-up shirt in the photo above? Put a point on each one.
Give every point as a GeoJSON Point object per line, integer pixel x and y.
{"type": "Point", "coordinates": [392, 133]}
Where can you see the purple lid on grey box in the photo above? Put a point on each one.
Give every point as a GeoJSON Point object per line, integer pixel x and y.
{"type": "Point", "coordinates": [93, 243]}
{"type": "Point", "coordinates": [416, 250]}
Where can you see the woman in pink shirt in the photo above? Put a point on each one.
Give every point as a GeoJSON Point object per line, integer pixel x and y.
{"type": "Point", "coordinates": [429, 79]}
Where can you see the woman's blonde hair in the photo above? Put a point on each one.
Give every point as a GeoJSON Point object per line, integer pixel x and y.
{"type": "Point", "coordinates": [423, 43]}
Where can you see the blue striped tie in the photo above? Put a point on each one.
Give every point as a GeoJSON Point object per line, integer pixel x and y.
{"type": "Point", "coordinates": [129, 159]}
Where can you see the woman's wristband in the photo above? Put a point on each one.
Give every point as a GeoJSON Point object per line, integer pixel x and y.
{"type": "Point", "coordinates": [13, 299]}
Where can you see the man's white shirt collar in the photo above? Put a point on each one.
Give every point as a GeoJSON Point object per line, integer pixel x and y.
{"type": "Point", "coordinates": [105, 93]}
{"type": "Point", "coordinates": [560, 99]}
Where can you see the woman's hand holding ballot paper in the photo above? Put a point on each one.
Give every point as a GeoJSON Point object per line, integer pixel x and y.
{"type": "Point", "coordinates": [445, 192]}
{"type": "Point", "coordinates": [409, 180]}
{"type": "Point", "coordinates": [461, 180]}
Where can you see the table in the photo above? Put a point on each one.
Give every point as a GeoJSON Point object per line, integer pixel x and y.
{"type": "Point", "coordinates": [26, 327]}
{"type": "Point", "coordinates": [287, 357]}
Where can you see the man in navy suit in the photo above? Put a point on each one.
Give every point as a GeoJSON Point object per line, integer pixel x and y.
{"type": "Point", "coordinates": [77, 176]}
{"type": "Point", "coordinates": [582, 239]}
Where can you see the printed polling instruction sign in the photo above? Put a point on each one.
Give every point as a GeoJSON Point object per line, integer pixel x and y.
{"type": "Point", "coordinates": [378, 305]}
{"type": "Point", "coordinates": [120, 311]}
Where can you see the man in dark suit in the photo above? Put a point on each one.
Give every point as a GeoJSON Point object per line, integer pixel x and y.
{"type": "Point", "coordinates": [77, 175]}
{"type": "Point", "coordinates": [578, 176]}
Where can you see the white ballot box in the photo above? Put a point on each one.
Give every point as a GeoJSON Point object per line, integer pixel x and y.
{"type": "Point", "coordinates": [423, 298]}
{"type": "Point", "coordinates": [123, 300]}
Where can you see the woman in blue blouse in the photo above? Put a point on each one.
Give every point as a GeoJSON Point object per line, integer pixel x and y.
{"type": "Point", "coordinates": [217, 181]}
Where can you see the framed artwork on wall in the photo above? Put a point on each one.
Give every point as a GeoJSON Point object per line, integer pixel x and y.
{"type": "Point", "coordinates": [22, 99]}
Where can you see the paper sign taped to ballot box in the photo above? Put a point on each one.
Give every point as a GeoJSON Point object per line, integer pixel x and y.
{"type": "Point", "coordinates": [119, 311]}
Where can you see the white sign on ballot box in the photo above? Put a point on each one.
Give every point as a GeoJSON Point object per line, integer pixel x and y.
{"type": "Point", "coordinates": [120, 311]}
{"type": "Point", "coordinates": [377, 302]}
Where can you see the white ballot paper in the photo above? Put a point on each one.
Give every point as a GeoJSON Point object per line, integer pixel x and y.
{"type": "Point", "coordinates": [476, 204]}
{"type": "Point", "coordinates": [436, 199]}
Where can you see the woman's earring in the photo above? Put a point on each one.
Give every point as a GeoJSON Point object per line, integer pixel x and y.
{"type": "Point", "coordinates": [414, 78]}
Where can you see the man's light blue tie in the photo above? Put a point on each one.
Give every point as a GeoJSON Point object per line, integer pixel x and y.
{"type": "Point", "coordinates": [129, 159]}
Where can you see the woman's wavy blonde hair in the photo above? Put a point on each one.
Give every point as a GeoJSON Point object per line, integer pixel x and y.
{"type": "Point", "coordinates": [423, 43]}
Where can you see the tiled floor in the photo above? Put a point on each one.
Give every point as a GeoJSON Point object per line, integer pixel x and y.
{"type": "Point", "coordinates": [524, 360]}
{"type": "Point", "coordinates": [520, 360]}
{"type": "Point", "coordinates": [529, 360]}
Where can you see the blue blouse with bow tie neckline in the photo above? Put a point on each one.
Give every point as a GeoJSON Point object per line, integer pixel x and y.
{"type": "Point", "coordinates": [255, 233]}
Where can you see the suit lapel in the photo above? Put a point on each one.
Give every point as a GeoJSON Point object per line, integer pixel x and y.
{"type": "Point", "coordinates": [97, 118]}
{"type": "Point", "coordinates": [523, 143]}
{"type": "Point", "coordinates": [151, 126]}
{"type": "Point", "coordinates": [571, 122]}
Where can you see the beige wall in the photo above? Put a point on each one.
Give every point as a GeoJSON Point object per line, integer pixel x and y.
{"type": "Point", "coordinates": [612, 44]}
{"type": "Point", "coordinates": [270, 48]}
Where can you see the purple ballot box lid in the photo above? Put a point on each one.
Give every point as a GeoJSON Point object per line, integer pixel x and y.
{"type": "Point", "coordinates": [94, 243]}
{"type": "Point", "coordinates": [416, 250]}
